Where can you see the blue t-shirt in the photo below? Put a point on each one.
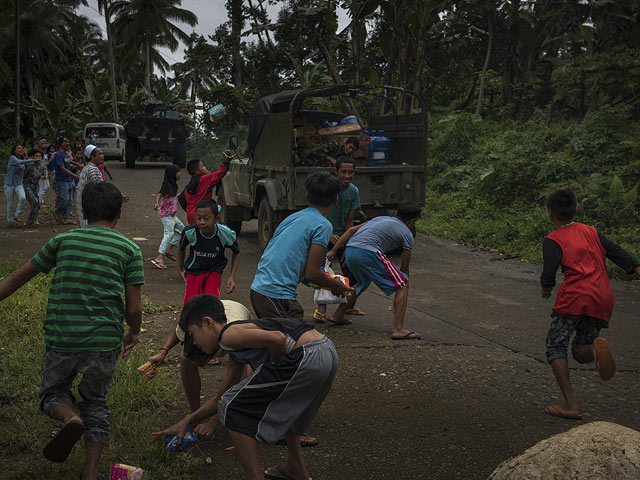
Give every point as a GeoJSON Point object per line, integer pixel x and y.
{"type": "Point", "coordinates": [382, 234]}
{"type": "Point", "coordinates": [284, 260]}
{"type": "Point", "coordinates": [62, 159]}
{"type": "Point", "coordinates": [348, 201]}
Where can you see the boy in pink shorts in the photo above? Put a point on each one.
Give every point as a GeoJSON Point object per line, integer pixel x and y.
{"type": "Point", "coordinates": [202, 268]}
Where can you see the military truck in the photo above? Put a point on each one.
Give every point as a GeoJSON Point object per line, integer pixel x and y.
{"type": "Point", "coordinates": [286, 143]}
{"type": "Point", "coordinates": [158, 132]}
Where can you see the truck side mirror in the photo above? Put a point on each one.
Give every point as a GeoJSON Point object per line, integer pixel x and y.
{"type": "Point", "coordinates": [233, 142]}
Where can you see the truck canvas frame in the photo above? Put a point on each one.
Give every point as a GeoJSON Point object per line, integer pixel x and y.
{"type": "Point", "coordinates": [286, 143]}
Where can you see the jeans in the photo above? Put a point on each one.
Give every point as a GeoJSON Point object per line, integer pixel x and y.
{"type": "Point", "coordinates": [9, 191]}
{"type": "Point", "coordinates": [65, 198]}
{"type": "Point", "coordinates": [172, 231]}
{"type": "Point", "coordinates": [43, 186]}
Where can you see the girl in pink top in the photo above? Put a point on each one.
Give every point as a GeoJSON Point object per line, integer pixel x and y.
{"type": "Point", "coordinates": [166, 205]}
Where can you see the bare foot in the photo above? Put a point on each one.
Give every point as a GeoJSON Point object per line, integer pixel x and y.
{"type": "Point", "coordinates": [563, 411]}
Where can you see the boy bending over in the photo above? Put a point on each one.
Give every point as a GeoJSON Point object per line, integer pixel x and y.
{"type": "Point", "coordinates": [83, 329]}
{"type": "Point", "coordinates": [366, 259]}
{"type": "Point", "coordinates": [584, 302]}
{"type": "Point", "coordinates": [294, 367]}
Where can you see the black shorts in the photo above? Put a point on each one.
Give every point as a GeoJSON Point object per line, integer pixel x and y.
{"type": "Point", "coordinates": [563, 326]}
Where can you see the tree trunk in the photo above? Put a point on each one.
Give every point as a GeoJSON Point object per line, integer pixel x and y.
{"type": "Point", "coordinates": [112, 68]}
{"type": "Point", "coordinates": [264, 14]}
{"type": "Point", "coordinates": [485, 67]}
{"type": "Point", "coordinates": [234, 8]}
{"type": "Point", "coordinates": [17, 72]}
{"type": "Point", "coordinates": [147, 73]}
{"type": "Point", "coordinates": [256, 22]}
{"type": "Point", "coordinates": [356, 8]}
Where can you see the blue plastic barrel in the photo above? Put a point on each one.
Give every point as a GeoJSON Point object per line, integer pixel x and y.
{"type": "Point", "coordinates": [379, 150]}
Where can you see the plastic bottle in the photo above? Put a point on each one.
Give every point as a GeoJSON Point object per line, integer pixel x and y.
{"type": "Point", "coordinates": [372, 142]}
{"type": "Point", "coordinates": [382, 151]}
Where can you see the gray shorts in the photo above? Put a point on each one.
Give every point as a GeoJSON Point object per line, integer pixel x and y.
{"type": "Point", "coordinates": [275, 307]}
{"type": "Point", "coordinates": [61, 368]}
{"type": "Point", "coordinates": [283, 395]}
{"type": "Point", "coordinates": [563, 326]}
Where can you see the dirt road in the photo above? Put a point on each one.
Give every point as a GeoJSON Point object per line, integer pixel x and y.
{"type": "Point", "coordinates": [453, 405]}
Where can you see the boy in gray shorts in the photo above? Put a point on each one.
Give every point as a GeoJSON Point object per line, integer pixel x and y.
{"type": "Point", "coordinates": [294, 367]}
{"type": "Point", "coordinates": [83, 329]}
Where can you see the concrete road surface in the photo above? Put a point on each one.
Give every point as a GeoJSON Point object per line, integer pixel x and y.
{"type": "Point", "coordinates": [455, 404]}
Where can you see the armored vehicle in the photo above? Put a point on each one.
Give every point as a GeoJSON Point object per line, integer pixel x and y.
{"type": "Point", "coordinates": [287, 143]}
{"type": "Point", "coordinates": [157, 132]}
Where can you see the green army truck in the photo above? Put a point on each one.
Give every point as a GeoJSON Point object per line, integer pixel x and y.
{"type": "Point", "coordinates": [287, 143]}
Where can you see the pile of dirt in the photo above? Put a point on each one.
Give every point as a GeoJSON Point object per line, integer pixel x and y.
{"type": "Point", "coordinates": [595, 450]}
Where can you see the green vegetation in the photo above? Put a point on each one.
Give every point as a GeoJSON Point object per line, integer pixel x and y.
{"type": "Point", "coordinates": [137, 407]}
{"type": "Point", "coordinates": [487, 180]}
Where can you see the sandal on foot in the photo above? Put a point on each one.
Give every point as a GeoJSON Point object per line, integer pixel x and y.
{"type": "Point", "coordinates": [60, 446]}
{"type": "Point", "coordinates": [319, 316]}
{"type": "Point", "coordinates": [407, 336]}
{"type": "Point", "coordinates": [69, 221]}
{"type": "Point", "coordinates": [354, 311]}
{"type": "Point", "coordinates": [57, 217]}
{"type": "Point", "coordinates": [306, 440]}
{"type": "Point", "coordinates": [346, 321]}
{"type": "Point", "coordinates": [605, 363]}
{"type": "Point", "coordinates": [554, 411]}
{"type": "Point", "coordinates": [214, 361]}
{"type": "Point", "coordinates": [170, 256]}
{"type": "Point", "coordinates": [281, 475]}
{"type": "Point", "coordinates": [159, 265]}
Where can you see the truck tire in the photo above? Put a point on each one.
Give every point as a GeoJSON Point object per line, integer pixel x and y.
{"type": "Point", "coordinates": [131, 150]}
{"type": "Point", "coordinates": [235, 225]}
{"type": "Point", "coordinates": [266, 223]}
{"type": "Point", "coordinates": [180, 154]}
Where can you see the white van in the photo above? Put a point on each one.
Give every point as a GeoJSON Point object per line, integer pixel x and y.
{"type": "Point", "coordinates": [110, 137]}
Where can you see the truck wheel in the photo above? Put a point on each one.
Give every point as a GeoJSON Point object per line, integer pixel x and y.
{"type": "Point", "coordinates": [235, 225]}
{"type": "Point", "coordinates": [180, 154]}
{"type": "Point", "coordinates": [131, 149]}
{"type": "Point", "coordinates": [266, 223]}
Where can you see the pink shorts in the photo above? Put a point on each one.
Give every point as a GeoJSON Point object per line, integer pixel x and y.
{"type": "Point", "coordinates": [204, 283]}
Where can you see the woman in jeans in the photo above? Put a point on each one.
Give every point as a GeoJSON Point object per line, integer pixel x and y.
{"type": "Point", "coordinates": [13, 185]}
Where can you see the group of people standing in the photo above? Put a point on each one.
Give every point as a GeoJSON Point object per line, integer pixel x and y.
{"type": "Point", "coordinates": [31, 174]}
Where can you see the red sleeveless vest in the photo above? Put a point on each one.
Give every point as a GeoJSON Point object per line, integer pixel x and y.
{"type": "Point", "coordinates": [586, 289]}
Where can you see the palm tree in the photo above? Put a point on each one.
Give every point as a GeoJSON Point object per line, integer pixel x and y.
{"type": "Point", "coordinates": [106, 5]}
{"type": "Point", "coordinates": [146, 24]}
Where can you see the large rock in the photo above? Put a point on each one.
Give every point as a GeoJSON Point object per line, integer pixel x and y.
{"type": "Point", "coordinates": [597, 450]}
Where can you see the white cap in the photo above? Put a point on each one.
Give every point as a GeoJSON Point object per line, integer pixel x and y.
{"type": "Point", "coordinates": [232, 310]}
{"type": "Point", "coordinates": [88, 150]}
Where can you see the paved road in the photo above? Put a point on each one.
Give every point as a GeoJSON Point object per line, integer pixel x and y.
{"type": "Point", "coordinates": [454, 405]}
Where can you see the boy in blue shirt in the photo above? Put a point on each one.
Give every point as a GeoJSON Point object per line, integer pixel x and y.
{"type": "Point", "coordinates": [296, 251]}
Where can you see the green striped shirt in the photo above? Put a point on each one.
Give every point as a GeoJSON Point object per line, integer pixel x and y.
{"type": "Point", "coordinates": [85, 309]}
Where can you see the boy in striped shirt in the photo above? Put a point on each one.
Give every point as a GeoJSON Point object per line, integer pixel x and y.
{"type": "Point", "coordinates": [83, 329]}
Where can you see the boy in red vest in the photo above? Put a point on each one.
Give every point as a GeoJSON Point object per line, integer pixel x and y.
{"type": "Point", "coordinates": [584, 302]}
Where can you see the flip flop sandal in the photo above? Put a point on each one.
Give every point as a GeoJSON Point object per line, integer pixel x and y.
{"type": "Point", "coordinates": [307, 442]}
{"type": "Point", "coordinates": [58, 218]}
{"type": "Point", "coordinates": [319, 317]}
{"type": "Point", "coordinates": [170, 256]}
{"type": "Point", "coordinates": [159, 265]}
{"type": "Point", "coordinates": [354, 311]}
{"type": "Point", "coordinates": [60, 446]}
{"type": "Point", "coordinates": [408, 336]}
{"type": "Point", "coordinates": [346, 321]}
{"type": "Point", "coordinates": [214, 361]}
{"type": "Point", "coordinates": [605, 363]}
{"type": "Point", "coordinates": [282, 475]}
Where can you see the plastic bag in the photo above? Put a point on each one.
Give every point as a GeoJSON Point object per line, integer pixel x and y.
{"type": "Point", "coordinates": [324, 296]}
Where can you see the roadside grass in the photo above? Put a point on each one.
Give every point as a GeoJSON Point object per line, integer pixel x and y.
{"type": "Point", "coordinates": [137, 407]}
